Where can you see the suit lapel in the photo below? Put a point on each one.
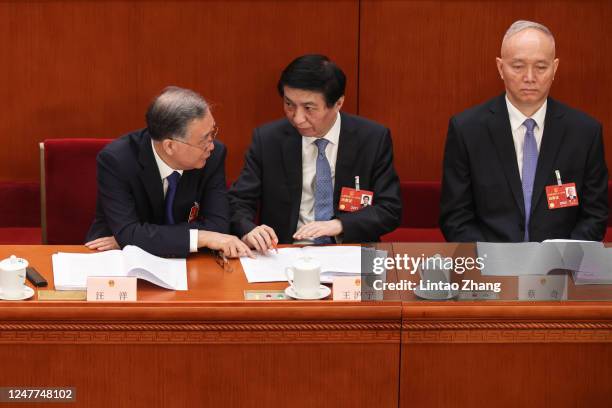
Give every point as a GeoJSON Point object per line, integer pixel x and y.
{"type": "Point", "coordinates": [501, 135]}
{"type": "Point", "coordinates": [348, 145]}
{"type": "Point", "coordinates": [149, 175]}
{"type": "Point", "coordinates": [292, 164]}
{"type": "Point", "coordinates": [552, 140]}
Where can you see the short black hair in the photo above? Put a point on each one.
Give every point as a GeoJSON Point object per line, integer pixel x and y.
{"type": "Point", "coordinates": [314, 72]}
{"type": "Point", "coordinates": [172, 111]}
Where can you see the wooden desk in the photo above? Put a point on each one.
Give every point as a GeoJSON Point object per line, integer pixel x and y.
{"type": "Point", "coordinates": [504, 353]}
{"type": "Point", "coordinates": [208, 347]}
{"type": "Point", "coordinates": [204, 347]}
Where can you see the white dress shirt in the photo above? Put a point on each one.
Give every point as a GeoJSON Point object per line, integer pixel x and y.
{"type": "Point", "coordinates": [164, 172]}
{"type": "Point", "coordinates": [309, 170]}
{"type": "Point", "coordinates": [519, 130]}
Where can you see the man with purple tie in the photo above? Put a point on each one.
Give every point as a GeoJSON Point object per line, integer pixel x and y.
{"type": "Point", "coordinates": [162, 188]}
{"type": "Point", "coordinates": [500, 156]}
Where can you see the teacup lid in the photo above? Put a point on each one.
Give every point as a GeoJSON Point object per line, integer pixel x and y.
{"type": "Point", "coordinates": [306, 262]}
{"type": "Point", "coordinates": [13, 263]}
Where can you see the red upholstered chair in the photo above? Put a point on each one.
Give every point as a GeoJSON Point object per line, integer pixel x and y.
{"type": "Point", "coordinates": [20, 212]}
{"type": "Point", "coordinates": [421, 208]}
{"type": "Point", "coordinates": [68, 188]}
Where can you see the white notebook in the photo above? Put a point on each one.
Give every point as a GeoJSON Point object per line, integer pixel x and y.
{"type": "Point", "coordinates": [70, 270]}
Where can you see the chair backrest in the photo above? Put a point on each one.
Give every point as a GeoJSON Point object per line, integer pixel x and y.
{"type": "Point", "coordinates": [68, 188]}
{"type": "Point", "coordinates": [609, 203]}
{"type": "Point", "coordinates": [19, 204]}
{"type": "Point", "coordinates": [421, 204]}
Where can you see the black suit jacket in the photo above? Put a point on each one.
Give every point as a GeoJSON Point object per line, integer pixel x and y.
{"type": "Point", "coordinates": [272, 179]}
{"type": "Point", "coordinates": [482, 196]}
{"type": "Point", "coordinates": [130, 203]}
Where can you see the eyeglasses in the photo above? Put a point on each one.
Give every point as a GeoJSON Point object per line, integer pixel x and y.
{"type": "Point", "coordinates": [208, 139]}
{"type": "Point", "coordinates": [222, 261]}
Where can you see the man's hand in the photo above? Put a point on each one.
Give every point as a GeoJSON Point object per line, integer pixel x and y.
{"type": "Point", "coordinates": [318, 229]}
{"type": "Point", "coordinates": [230, 245]}
{"type": "Point", "coordinates": [103, 244]}
{"type": "Point", "coordinates": [262, 238]}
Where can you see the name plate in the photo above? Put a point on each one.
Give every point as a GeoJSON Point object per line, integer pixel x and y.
{"type": "Point", "coordinates": [542, 287]}
{"type": "Point", "coordinates": [347, 288]}
{"type": "Point", "coordinates": [111, 289]}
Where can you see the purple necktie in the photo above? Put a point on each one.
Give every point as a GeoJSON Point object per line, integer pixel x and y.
{"type": "Point", "coordinates": [530, 163]}
{"type": "Point", "coordinates": [173, 180]}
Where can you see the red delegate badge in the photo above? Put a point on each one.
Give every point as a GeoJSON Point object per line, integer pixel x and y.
{"type": "Point", "coordinates": [352, 200]}
{"type": "Point", "coordinates": [193, 213]}
{"type": "Point", "coordinates": [561, 196]}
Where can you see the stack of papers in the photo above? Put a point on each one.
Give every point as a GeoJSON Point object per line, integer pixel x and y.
{"type": "Point", "coordinates": [70, 270]}
{"type": "Point", "coordinates": [335, 261]}
{"type": "Point", "coordinates": [590, 262]}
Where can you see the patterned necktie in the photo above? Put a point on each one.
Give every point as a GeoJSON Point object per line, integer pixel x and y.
{"type": "Point", "coordinates": [173, 180]}
{"type": "Point", "coordinates": [530, 163]}
{"type": "Point", "coordinates": [324, 189]}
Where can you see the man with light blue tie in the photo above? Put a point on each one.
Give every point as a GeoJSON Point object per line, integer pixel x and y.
{"type": "Point", "coordinates": [296, 167]}
{"type": "Point", "coordinates": [504, 159]}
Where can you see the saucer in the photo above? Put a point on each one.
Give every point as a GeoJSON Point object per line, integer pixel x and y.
{"type": "Point", "coordinates": [323, 292]}
{"type": "Point", "coordinates": [28, 292]}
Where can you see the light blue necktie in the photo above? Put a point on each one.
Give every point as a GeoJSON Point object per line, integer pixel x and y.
{"type": "Point", "coordinates": [530, 163]}
{"type": "Point", "coordinates": [173, 180]}
{"type": "Point", "coordinates": [324, 189]}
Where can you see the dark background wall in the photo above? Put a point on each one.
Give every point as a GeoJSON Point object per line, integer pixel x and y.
{"type": "Point", "coordinates": [89, 69]}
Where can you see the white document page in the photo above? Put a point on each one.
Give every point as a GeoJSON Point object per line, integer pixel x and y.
{"type": "Point", "coordinates": [70, 271]}
{"type": "Point", "coordinates": [522, 258]}
{"type": "Point", "coordinates": [167, 273]}
{"type": "Point", "coordinates": [345, 260]}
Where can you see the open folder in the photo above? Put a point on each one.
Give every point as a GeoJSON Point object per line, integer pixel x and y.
{"type": "Point", "coordinates": [70, 270]}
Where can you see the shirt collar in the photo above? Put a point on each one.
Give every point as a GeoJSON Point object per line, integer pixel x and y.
{"type": "Point", "coordinates": [517, 118]}
{"type": "Point", "coordinates": [164, 169]}
{"type": "Point", "coordinates": [332, 135]}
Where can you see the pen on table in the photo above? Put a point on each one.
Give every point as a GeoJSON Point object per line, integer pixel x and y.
{"type": "Point", "coordinates": [357, 183]}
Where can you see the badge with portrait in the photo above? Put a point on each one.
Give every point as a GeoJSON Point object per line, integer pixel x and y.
{"type": "Point", "coordinates": [562, 196]}
{"type": "Point", "coordinates": [193, 213]}
{"type": "Point", "coordinates": [353, 200]}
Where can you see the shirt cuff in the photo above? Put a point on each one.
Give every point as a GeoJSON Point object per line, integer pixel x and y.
{"type": "Point", "coordinates": [193, 240]}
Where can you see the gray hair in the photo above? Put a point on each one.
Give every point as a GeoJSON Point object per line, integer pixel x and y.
{"type": "Point", "coordinates": [171, 112]}
{"type": "Point", "coordinates": [521, 25]}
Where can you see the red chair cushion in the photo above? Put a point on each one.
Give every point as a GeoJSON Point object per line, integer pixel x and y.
{"type": "Point", "coordinates": [71, 186]}
{"type": "Point", "coordinates": [421, 204]}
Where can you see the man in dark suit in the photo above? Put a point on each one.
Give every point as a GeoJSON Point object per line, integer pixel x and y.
{"type": "Point", "coordinates": [296, 167]}
{"type": "Point", "coordinates": [501, 155]}
{"type": "Point", "coordinates": [162, 188]}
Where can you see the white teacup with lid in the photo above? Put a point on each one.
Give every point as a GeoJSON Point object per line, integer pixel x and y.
{"type": "Point", "coordinates": [12, 277]}
{"type": "Point", "coordinates": [306, 278]}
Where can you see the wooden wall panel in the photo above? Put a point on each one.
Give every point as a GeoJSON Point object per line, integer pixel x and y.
{"type": "Point", "coordinates": [90, 68]}
{"type": "Point", "coordinates": [421, 62]}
